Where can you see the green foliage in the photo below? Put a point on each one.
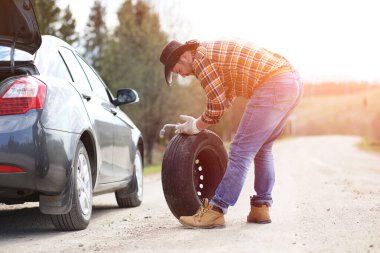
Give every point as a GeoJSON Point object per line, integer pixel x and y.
{"type": "Point", "coordinates": [96, 35]}
{"type": "Point", "coordinates": [52, 21]}
{"type": "Point", "coordinates": [67, 30]}
{"type": "Point", "coordinates": [152, 169]}
{"type": "Point", "coordinates": [47, 14]}
{"type": "Point", "coordinates": [370, 145]}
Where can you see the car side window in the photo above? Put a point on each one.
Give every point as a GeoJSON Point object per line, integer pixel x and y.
{"type": "Point", "coordinates": [52, 65]}
{"type": "Point", "coordinates": [60, 70]}
{"type": "Point", "coordinates": [75, 68]}
{"type": "Point", "coordinates": [95, 82]}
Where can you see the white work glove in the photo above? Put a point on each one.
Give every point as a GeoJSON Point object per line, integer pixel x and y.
{"type": "Point", "coordinates": [189, 127]}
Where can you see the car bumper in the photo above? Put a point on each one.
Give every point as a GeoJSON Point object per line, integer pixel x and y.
{"type": "Point", "coordinates": [44, 155]}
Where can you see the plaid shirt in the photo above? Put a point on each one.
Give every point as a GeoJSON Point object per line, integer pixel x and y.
{"type": "Point", "coordinates": [227, 69]}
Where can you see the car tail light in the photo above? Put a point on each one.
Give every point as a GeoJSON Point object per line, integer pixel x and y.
{"type": "Point", "coordinates": [22, 95]}
{"type": "Point", "coordinates": [9, 169]}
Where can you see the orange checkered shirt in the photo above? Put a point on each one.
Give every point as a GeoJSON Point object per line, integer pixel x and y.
{"type": "Point", "coordinates": [227, 69]}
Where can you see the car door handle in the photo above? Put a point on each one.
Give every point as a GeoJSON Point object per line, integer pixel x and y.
{"type": "Point", "coordinates": [86, 96]}
{"type": "Point", "coordinates": [113, 111]}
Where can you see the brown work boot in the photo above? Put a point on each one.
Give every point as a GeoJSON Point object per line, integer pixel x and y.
{"type": "Point", "coordinates": [259, 214]}
{"type": "Point", "coordinates": [207, 216]}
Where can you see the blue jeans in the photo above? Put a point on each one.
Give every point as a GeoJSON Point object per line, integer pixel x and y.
{"type": "Point", "coordinates": [262, 123]}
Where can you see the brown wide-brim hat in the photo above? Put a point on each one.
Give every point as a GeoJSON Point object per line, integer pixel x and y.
{"type": "Point", "coordinates": [171, 54]}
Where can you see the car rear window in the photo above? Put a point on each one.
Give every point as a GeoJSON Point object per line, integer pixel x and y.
{"type": "Point", "coordinates": [5, 55]}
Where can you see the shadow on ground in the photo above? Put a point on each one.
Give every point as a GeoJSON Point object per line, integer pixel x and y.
{"type": "Point", "coordinates": [21, 221]}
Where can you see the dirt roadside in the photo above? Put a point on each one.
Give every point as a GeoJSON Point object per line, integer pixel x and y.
{"type": "Point", "coordinates": [327, 199]}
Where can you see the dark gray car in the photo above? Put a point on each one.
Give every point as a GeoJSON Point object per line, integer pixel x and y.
{"type": "Point", "coordinates": [63, 137]}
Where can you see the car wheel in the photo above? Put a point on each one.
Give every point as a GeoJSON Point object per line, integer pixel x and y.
{"type": "Point", "coordinates": [79, 216]}
{"type": "Point", "coordinates": [132, 195]}
{"type": "Point", "coordinates": [192, 167]}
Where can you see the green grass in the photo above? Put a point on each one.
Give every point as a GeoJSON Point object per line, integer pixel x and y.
{"type": "Point", "coordinates": [152, 169]}
{"type": "Point", "coordinates": [370, 145]}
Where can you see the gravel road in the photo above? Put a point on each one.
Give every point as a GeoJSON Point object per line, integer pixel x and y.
{"type": "Point", "coordinates": [327, 199]}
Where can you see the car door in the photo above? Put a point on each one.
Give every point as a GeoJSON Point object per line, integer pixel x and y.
{"type": "Point", "coordinates": [124, 148]}
{"type": "Point", "coordinates": [122, 132]}
{"type": "Point", "coordinates": [99, 113]}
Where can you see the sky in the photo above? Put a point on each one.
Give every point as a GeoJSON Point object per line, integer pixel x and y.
{"type": "Point", "coordinates": [326, 40]}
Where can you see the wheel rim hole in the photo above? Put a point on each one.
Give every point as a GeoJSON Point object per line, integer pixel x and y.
{"type": "Point", "coordinates": [200, 168]}
{"type": "Point", "coordinates": [199, 193]}
{"type": "Point", "coordinates": [201, 186]}
{"type": "Point", "coordinates": [201, 177]}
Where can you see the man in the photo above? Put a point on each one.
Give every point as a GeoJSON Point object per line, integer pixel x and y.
{"type": "Point", "coordinates": [227, 69]}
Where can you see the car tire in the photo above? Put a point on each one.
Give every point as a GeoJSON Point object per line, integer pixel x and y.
{"type": "Point", "coordinates": [132, 195]}
{"type": "Point", "coordinates": [80, 214]}
{"type": "Point", "coordinates": [192, 168]}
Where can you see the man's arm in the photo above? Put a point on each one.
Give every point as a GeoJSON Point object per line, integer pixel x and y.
{"type": "Point", "coordinates": [201, 125]}
{"type": "Point", "coordinates": [208, 75]}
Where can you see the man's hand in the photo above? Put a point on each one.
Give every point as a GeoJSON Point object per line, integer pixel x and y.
{"type": "Point", "coordinates": [189, 127]}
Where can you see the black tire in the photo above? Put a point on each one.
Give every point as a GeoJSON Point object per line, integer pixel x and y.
{"type": "Point", "coordinates": [192, 168]}
{"type": "Point", "coordinates": [80, 214]}
{"type": "Point", "coordinates": [131, 196]}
